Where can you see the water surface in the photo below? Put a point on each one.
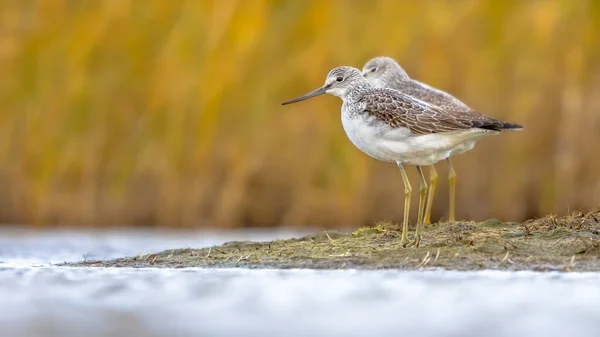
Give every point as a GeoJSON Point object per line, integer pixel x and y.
{"type": "Point", "coordinates": [40, 299]}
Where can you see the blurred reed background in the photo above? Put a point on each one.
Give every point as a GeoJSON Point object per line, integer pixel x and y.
{"type": "Point", "coordinates": [166, 112]}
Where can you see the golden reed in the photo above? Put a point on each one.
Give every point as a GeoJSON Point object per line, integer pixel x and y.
{"type": "Point", "coordinates": [166, 113]}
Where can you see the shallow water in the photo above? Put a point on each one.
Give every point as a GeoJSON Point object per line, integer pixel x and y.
{"type": "Point", "coordinates": [38, 299]}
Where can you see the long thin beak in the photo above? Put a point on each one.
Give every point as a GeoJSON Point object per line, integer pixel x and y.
{"type": "Point", "coordinates": [311, 94]}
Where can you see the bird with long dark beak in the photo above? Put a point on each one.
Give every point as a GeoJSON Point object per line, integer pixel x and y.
{"type": "Point", "coordinates": [391, 126]}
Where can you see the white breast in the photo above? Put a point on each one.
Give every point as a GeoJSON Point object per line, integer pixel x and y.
{"type": "Point", "coordinates": [368, 136]}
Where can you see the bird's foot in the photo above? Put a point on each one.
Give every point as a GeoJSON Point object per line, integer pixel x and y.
{"type": "Point", "coordinates": [404, 242]}
{"type": "Point", "coordinates": [416, 242]}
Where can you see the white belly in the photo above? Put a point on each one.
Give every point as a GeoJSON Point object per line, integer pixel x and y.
{"type": "Point", "coordinates": [394, 145]}
{"type": "Point", "coordinates": [462, 148]}
{"type": "Point", "coordinates": [384, 143]}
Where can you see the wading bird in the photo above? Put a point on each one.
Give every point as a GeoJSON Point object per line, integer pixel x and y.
{"type": "Point", "coordinates": [385, 72]}
{"type": "Point", "coordinates": [391, 126]}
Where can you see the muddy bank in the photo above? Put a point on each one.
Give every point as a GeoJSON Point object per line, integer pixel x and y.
{"type": "Point", "coordinates": [570, 243]}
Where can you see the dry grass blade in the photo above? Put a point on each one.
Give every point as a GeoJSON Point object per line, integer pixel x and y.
{"type": "Point", "coordinates": [329, 237]}
{"type": "Point", "coordinates": [505, 258]}
{"type": "Point", "coordinates": [243, 257]}
{"type": "Point", "coordinates": [208, 254]}
{"type": "Point", "coordinates": [425, 260]}
{"type": "Point", "coordinates": [571, 264]}
{"type": "Point", "coordinates": [437, 255]}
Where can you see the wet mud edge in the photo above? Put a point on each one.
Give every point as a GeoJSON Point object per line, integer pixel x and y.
{"type": "Point", "coordinates": [570, 243]}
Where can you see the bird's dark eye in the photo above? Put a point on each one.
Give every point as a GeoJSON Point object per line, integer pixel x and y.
{"type": "Point", "coordinates": [373, 70]}
{"type": "Point", "coordinates": [339, 79]}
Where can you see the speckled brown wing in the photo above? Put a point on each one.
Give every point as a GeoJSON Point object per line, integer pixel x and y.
{"type": "Point", "coordinates": [452, 106]}
{"type": "Point", "coordinates": [402, 111]}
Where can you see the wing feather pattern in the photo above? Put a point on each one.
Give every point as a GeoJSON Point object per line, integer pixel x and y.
{"type": "Point", "coordinates": [399, 110]}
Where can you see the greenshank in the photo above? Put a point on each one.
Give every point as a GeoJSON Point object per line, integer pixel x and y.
{"type": "Point", "coordinates": [391, 126]}
{"type": "Point", "coordinates": [385, 72]}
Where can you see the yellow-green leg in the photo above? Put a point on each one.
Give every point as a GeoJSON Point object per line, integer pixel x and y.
{"type": "Point", "coordinates": [452, 183]}
{"type": "Point", "coordinates": [433, 178]}
{"type": "Point", "coordinates": [422, 195]}
{"type": "Point", "coordinates": [407, 190]}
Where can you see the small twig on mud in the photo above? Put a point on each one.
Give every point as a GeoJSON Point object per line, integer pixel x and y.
{"type": "Point", "coordinates": [154, 259]}
{"type": "Point", "coordinates": [593, 216]}
{"type": "Point", "coordinates": [571, 264]}
{"type": "Point", "coordinates": [329, 237]}
{"type": "Point", "coordinates": [208, 254]}
{"type": "Point", "coordinates": [505, 257]}
{"type": "Point", "coordinates": [425, 260]}
{"type": "Point", "coordinates": [142, 255]}
{"type": "Point", "coordinates": [243, 258]}
{"type": "Point", "coordinates": [436, 256]}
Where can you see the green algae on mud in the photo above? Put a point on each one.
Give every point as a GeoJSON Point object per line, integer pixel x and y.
{"type": "Point", "coordinates": [546, 244]}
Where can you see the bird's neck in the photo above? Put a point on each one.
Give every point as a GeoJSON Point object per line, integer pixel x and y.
{"type": "Point", "coordinates": [354, 93]}
{"type": "Point", "coordinates": [395, 78]}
